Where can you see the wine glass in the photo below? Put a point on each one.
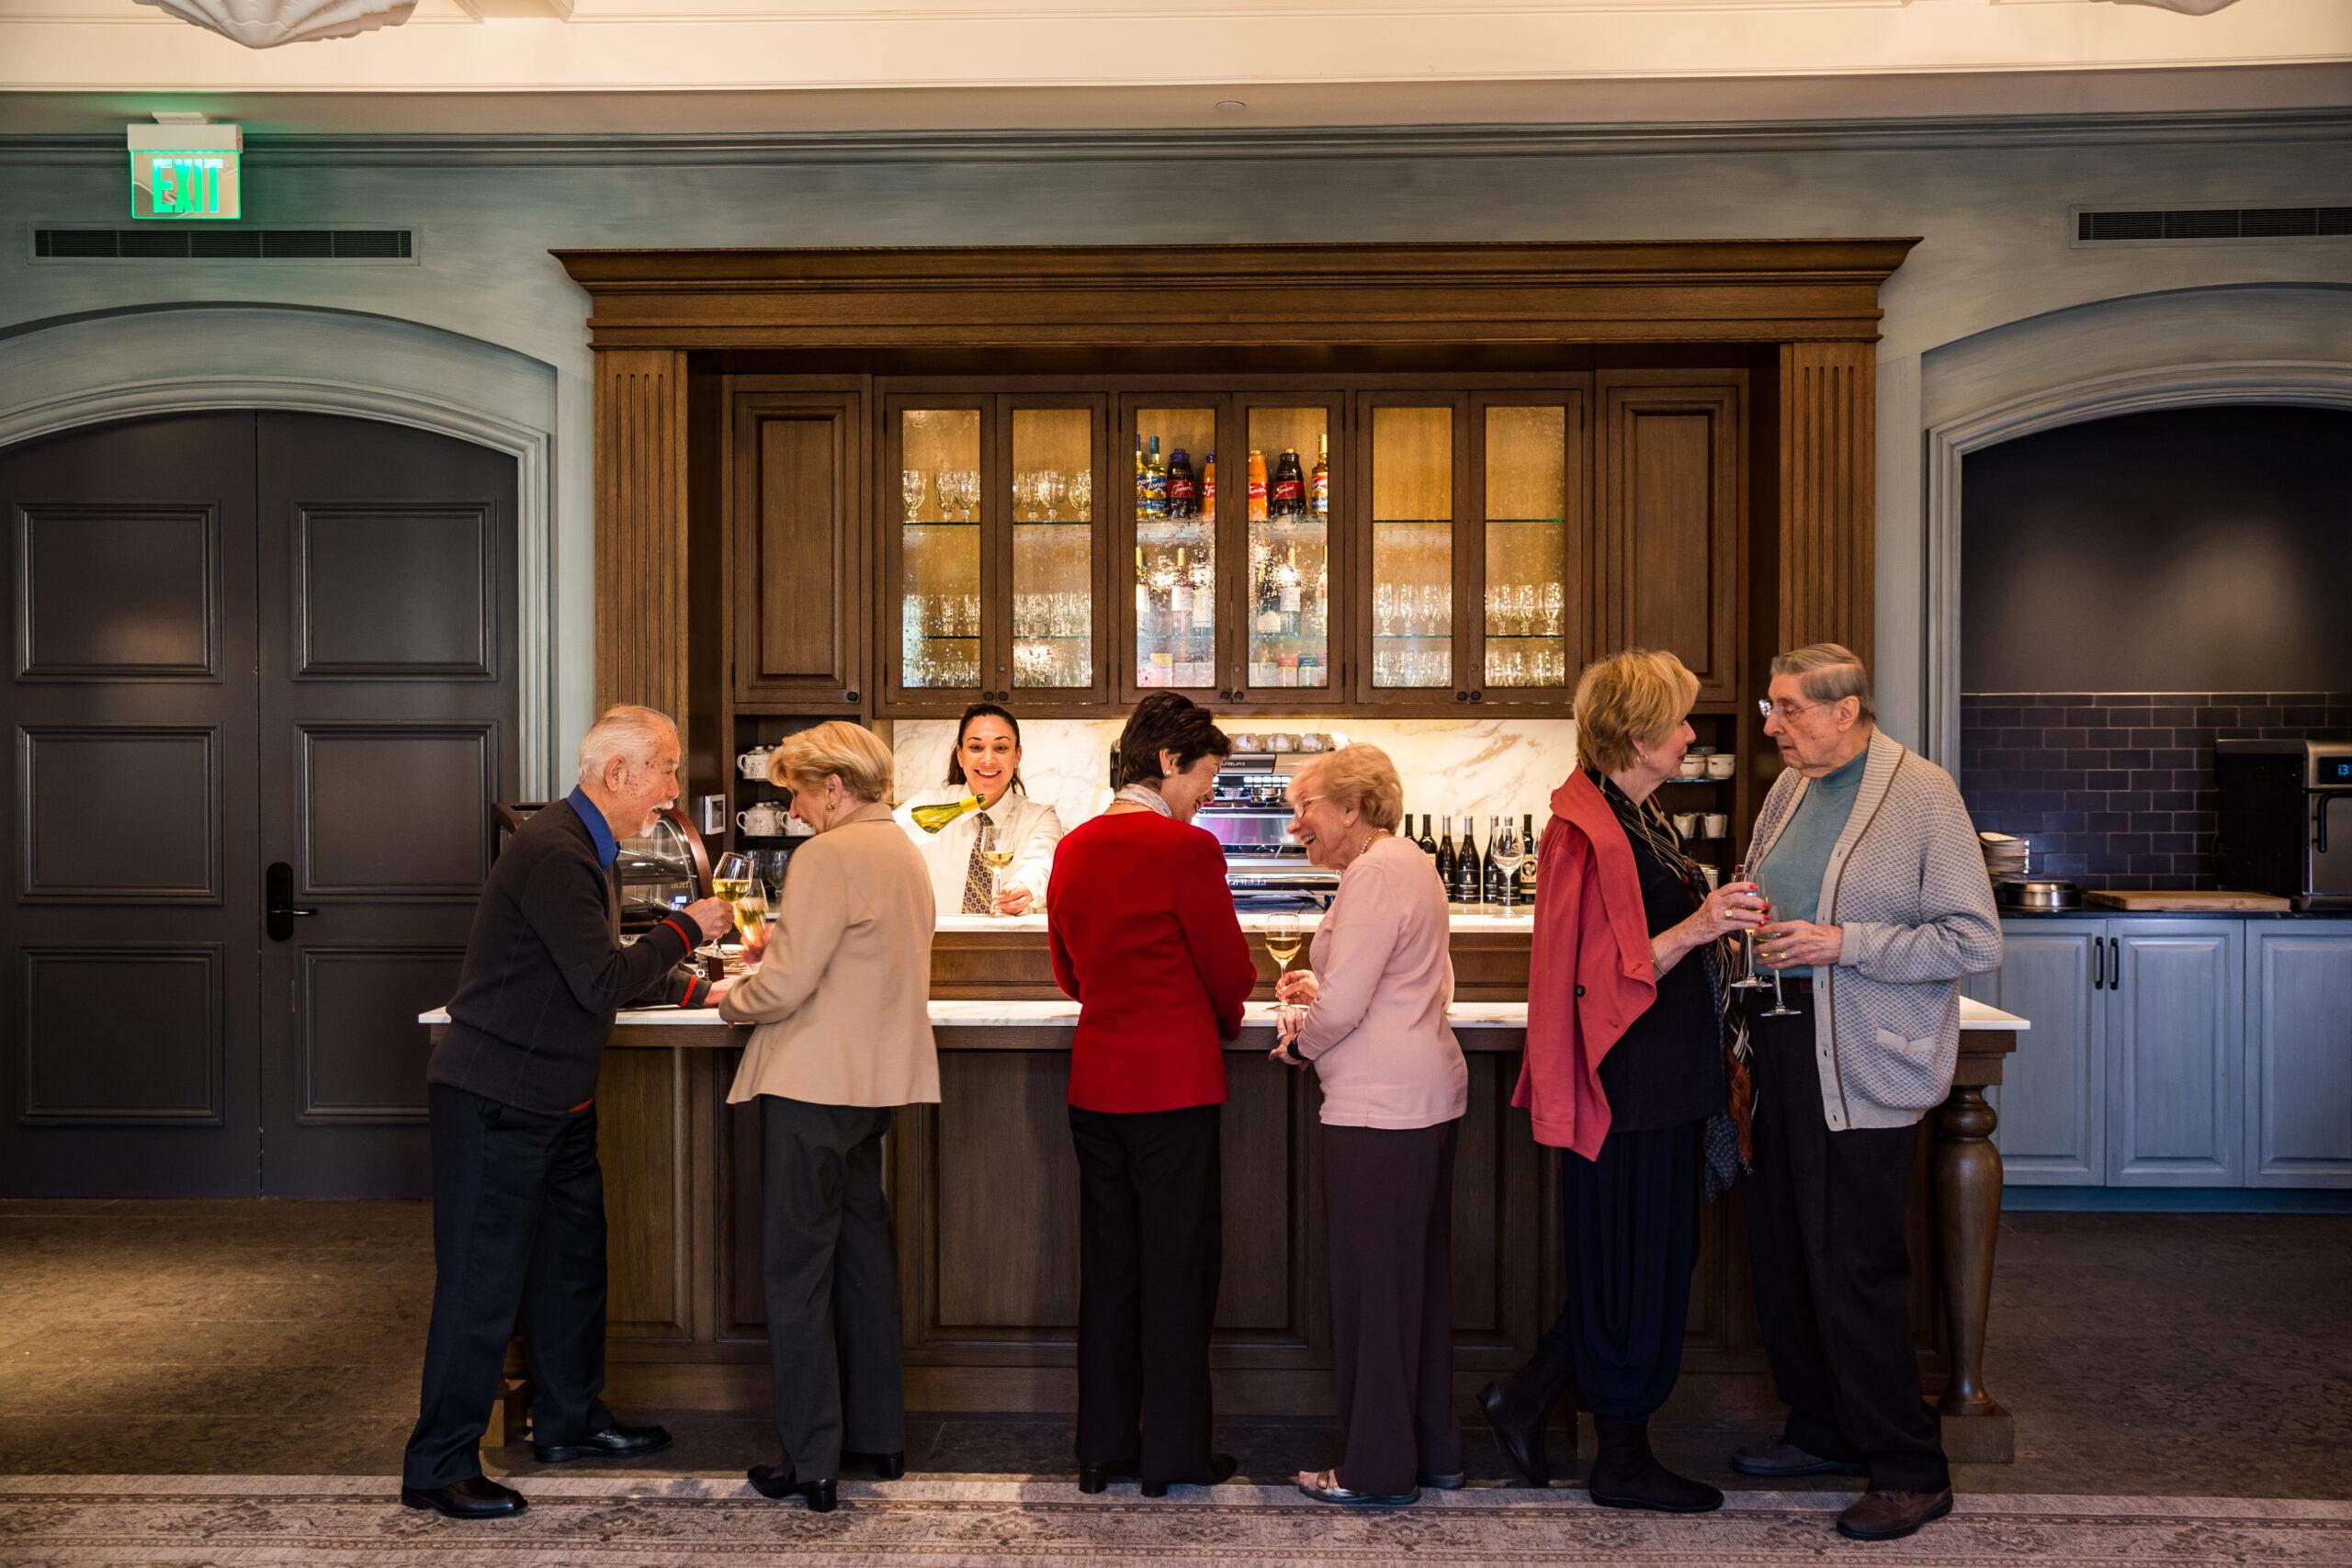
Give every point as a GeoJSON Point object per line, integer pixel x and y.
{"type": "Point", "coordinates": [911, 484]}
{"type": "Point", "coordinates": [1748, 980]}
{"type": "Point", "coordinates": [1282, 944]}
{"type": "Point", "coordinates": [1049, 489]}
{"type": "Point", "coordinates": [1507, 846]}
{"type": "Point", "coordinates": [996, 855]}
{"type": "Point", "coordinates": [752, 914]}
{"type": "Point", "coordinates": [1081, 495]}
{"type": "Point", "coordinates": [731, 877]}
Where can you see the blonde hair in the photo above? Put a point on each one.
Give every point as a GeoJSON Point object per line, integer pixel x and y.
{"type": "Point", "coordinates": [1364, 777]}
{"type": "Point", "coordinates": [1828, 673]}
{"type": "Point", "coordinates": [844, 751]}
{"type": "Point", "coordinates": [1636, 695]}
{"type": "Point", "coordinates": [629, 732]}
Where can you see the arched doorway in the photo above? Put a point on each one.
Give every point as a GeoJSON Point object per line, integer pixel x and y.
{"type": "Point", "coordinates": [266, 681]}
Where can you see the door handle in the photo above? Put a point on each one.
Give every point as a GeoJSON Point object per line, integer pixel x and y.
{"type": "Point", "coordinates": [2098, 964]}
{"type": "Point", "coordinates": [2114, 963]}
{"type": "Point", "coordinates": [278, 902]}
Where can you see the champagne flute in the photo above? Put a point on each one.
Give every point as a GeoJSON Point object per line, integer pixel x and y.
{"type": "Point", "coordinates": [996, 857]}
{"type": "Point", "coordinates": [911, 486]}
{"type": "Point", "coordinates": [732, 877]}
{"type": "Point", "coordinates": [1748, 980]}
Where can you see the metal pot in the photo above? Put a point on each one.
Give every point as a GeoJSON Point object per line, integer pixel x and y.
{"type": "Point", "coordinates": [2045, 894]}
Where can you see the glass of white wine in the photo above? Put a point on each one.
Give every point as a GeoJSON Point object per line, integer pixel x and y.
{"type": "Point", "coordinates": [751, 916]}
{"type": "Point", "coordinates": [732, 877]}
{"type": "Point", "coordinates": [996, 857]}
{"type": "Point", "coordinates": [1282, 943]}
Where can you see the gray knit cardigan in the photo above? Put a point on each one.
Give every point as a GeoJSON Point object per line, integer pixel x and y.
{"type": "Point", "coordinates": [1907, 884]}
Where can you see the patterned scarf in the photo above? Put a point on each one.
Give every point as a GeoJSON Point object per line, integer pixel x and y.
{"type": "Point", "coordinates": [1146, 796]}
{"type": "Point", "coordinates": [1727, 1140]}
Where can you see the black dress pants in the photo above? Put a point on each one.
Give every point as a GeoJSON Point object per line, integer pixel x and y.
{"type": "Point", "coordinates": [1388, 1205]}
{"type": "Point", "coordinates": [1631, 1222]}
{"type": "Point", "coordinates": [1825, 1217]}
{"type": "Point", "coordinates": [1150, 1244]}
{"type": "Point", "coordinates": [518, 1226]}
{"type": "Point", "coordinates": [832, 1272]}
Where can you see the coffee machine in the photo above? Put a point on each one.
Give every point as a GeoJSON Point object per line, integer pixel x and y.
{"type": "Point", "coordinates": [2285, 820]}
{"type": "Point", "coordinates": [1264, 867]}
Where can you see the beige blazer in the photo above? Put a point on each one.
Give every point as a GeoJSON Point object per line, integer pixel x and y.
{"type": "Point", "coordinates": [842, 997]}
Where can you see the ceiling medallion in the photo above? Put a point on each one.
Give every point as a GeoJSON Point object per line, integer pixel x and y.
{"type": "Point", "coordinates": [266, 24]}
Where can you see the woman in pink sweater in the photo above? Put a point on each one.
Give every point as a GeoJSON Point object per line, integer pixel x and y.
{"type": "Point", "coordinates": [1373, 1023]}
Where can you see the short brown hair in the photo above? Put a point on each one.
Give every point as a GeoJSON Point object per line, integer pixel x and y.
{"type": "Point", "coordinates": [1828, 673]}
{"type": "Point", "coordinates": [1364, 777]}
{"type": "Point", "coordinates": [837, 748]}
{"type": "Point", "coordinates": [1630, 697]}
{"type": "Point", "coordinates": [1166, 721]}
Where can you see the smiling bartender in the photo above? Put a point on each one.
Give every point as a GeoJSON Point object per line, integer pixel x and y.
{"type": "Point", "coordinates": [987, 762]}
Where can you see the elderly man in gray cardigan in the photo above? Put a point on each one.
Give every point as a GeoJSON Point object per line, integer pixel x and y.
{"type": "Point", "coordinates": [1878, 906]}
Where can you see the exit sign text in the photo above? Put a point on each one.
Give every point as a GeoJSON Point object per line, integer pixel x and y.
{"type": "Point", "coordinates": [183, 184]}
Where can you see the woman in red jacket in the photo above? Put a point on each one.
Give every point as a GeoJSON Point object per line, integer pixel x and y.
{"type": "Point", "coordinates": [1626, 1073]}
{"type": "Point", "coordinates": [1145, 940]}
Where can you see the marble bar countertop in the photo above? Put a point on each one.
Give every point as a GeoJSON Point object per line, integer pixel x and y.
{"type": "Point", "coordinates": [994, 1014]}
{"type": "Point", "coordinates": [1251, 920]}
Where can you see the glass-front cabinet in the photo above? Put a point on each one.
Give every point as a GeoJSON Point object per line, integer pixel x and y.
{"type": "Point", "coordinates": [1533, 484]}
{"type": "Point", "coordinates": [994, 566]}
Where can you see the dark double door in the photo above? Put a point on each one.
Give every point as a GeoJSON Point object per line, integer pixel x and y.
{"type": "Point", "coordinates": [261, 662]}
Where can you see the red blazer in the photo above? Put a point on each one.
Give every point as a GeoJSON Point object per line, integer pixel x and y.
{"type": "Point", "coordinates": [1145, 940]}
{"type": "Point", "coordinates": [1589, 973]}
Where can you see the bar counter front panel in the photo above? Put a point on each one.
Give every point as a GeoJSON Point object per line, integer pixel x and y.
{"type": "Point", "coordinates": [984, 1191]}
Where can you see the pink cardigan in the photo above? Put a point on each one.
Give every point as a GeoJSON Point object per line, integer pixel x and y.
{"type": "Point", "coordinates": [1589, 973]}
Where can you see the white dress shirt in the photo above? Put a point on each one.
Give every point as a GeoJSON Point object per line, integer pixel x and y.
{"type": "Point", "coordinates": [1028, 828]}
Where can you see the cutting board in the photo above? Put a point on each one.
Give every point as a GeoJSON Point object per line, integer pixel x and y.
{"type": "Point", "coordinates": [2219, 901]}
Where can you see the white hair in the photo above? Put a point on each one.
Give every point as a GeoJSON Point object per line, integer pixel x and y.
{"type": "Point", "coordinates": [628, 732]}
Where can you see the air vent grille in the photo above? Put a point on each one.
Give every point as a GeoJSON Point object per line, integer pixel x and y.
{"type": "Point", "coordinates": [2215, 223]}
{"type": "Point", "coordinates": [143, 242]}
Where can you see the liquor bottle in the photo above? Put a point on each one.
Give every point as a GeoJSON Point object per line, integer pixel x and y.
{"type": "Point", "coordinates": [1208, 485]}
{"type": "Point", "coordinates": [1184, 490]}
{"type": "Point", "coordinates": [1527, 866]}
{"type": "Point", "coordinates": [1180, 594]}
{"type": "Point", "coordinates": [1143, 595]}
{"type": "Point", "coordinates": [1318, 483]}
{"type": "Point", "coordinates": [1257, 486]}
{"type": "Point", "coordinates": [1427, 841]}
{"type": "Point", "coordinates": [1498, 890]}
{"type": "Point", "coordinates": [1155, 480]}
{"type": "Point", "coordinates": [1446, 858]}
{"type": "Point", "coordinates": [1142, 480]}
{"type": "Point", "coordinates": [1287, 579]}
{"type": "Point", "coordinates": [1469, 887]}
{"type": "Point", "coordinates": [1287, 497]}
{"type": "Point", "coordinates": [932, 818]}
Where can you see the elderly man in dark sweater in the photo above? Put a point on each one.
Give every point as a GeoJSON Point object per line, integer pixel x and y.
{"type": "Point", "coordinates": [518, 1200]}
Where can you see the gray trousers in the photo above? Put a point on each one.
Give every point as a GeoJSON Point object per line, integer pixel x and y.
{"type": "Point", "coordinates": [831, 1274]}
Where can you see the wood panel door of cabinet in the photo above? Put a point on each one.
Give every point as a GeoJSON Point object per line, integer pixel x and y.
{"type": "Point", "coordinates": [1671, 490]}
{"type": "Point", "coordinates": [2176, 1021]}
{"type": "Point", "coordinates": [796, 552]}
{"type": "Point", "coordinates": [2051, 1101]}
{"type": "Point", "coordinates": [2299, 1053]}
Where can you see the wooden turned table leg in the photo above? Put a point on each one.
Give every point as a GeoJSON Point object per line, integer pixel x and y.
{"type": "Point", "coordinates": [1968, 1217]}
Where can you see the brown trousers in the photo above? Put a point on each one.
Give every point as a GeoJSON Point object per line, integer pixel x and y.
{"type": "Point", "coordinates": [1388, 1207]}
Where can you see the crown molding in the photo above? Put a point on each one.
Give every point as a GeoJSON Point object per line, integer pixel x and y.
{"type": "Point", "coordinates": [2271, 126]}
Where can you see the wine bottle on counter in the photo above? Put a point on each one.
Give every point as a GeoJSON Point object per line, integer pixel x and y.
{"type": "Point", "coordinates": [1428, 840]}
{"type": "Point", "coordinates": [1446, 858]}
{"type": "Point", "coordinates": [1498, 887]}
{"type": "Point", "coordinates": [1527, 866]}
{"type": "Point", "coordinates": [1469, 887]}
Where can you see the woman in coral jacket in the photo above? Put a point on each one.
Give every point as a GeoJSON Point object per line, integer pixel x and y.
{"type": "Point", "coordinates": [1627, 1073]}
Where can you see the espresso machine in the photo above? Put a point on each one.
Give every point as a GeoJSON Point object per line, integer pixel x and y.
{"type": "Point", "coordinates": [2285, 820]}
{"type": "Point", "coordinates": [1246, 811]}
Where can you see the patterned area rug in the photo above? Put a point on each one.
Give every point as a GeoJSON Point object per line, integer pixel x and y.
{"type": "Point", "coordinates": [327, 1522]}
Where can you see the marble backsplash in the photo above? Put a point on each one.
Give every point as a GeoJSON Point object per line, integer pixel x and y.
{"type": "Point", "coordinates": [1484, 766]}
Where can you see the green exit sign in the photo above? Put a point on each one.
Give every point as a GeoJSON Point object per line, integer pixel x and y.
{"type": "Point", "coordinates": [186, 171]}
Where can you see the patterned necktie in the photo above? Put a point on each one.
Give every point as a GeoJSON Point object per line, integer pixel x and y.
{"type": "Point", "coordinates": [975, 874]}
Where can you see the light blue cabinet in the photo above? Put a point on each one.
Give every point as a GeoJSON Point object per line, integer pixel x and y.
{"type": "Point", "coordinates": [2190, 1053]}
{"type": "Point", "coordinates": [2051, 1101]}
{"type": "Point", "coordinates": [2176, 1014]}
{"type": "Point", "coordinates": [2297, 1126]}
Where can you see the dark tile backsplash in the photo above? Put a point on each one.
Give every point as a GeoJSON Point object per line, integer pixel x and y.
{"type": "Point", "coordinates": [2115, 789]}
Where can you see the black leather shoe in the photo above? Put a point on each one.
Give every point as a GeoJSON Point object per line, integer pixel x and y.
{"type": "Point", "coordinates": [1891, 1516]}
{"type": "Point", "coordinates": [1780, 1457]}
{"type": "Point", "coordinates": [476, 1497]}
{"type": "Point", "coordinates": [1518, 1407]}
{"type": "Point", "coordinates": [1625, 1475]}
{"type": "Point", "coordinates": [774, 1481]}
{"type": "Point", "coordinates": [1093, 1478]}
{"type": "Point", "coordinates": [615, 1441]}
{"type": "Point", "coordinates": [886, 1467]}
{"type": "Point", "coordinates": [1452, 1481]}
{"type": "Point", "coordinates": [1220, 1468]}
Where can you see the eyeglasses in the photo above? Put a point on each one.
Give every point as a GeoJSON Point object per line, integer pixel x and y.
{"type": "Point", "coordinates": [1298, 807]}
{"type": "Point", "coordinates": [1767, 707]}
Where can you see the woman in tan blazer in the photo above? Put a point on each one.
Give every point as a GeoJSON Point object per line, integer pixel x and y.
{"type": "Point", "coordinates": [841, 1002]}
